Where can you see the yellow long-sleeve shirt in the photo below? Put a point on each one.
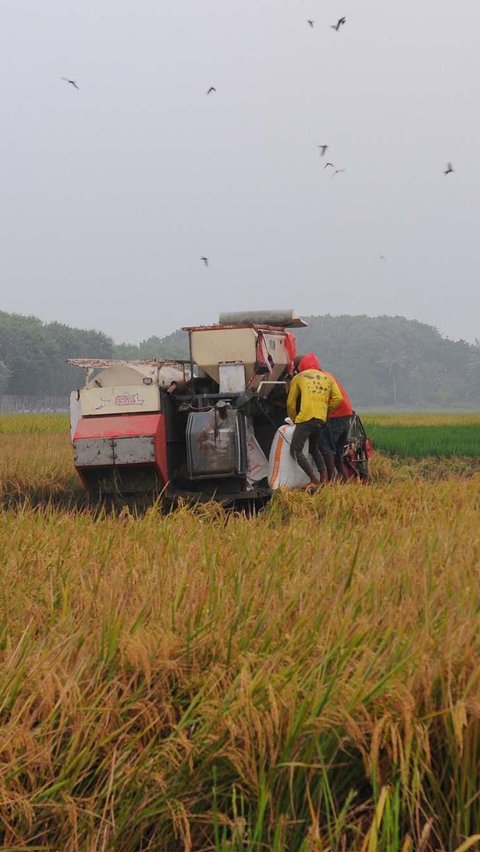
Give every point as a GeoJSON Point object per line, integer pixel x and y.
{"type": "Point", "coordinates": [319, 396]}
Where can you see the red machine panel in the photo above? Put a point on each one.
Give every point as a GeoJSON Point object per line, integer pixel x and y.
{"type": "Point", "coordinates": [91, 429]}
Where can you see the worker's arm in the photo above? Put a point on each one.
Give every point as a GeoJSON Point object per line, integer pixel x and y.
{"type": "Point", "coordinates": [292, 398]}
{"type": "Point", "coordinates": [336, 397]}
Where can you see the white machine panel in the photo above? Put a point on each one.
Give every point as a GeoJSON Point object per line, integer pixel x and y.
{"type": "Point", "coordinates": [129, 399]}
{"type": "Point", "coordinates": [134, 450]}
{"type": "Point", "coordinates": [232, 377]}
{"type": "Point", "coordinates": [105, 452]}
{"type": "Point", "coordinates": [90, 452]}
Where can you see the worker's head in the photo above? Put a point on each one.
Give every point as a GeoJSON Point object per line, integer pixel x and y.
{"type": "Point", "coordinates": [308, 362]}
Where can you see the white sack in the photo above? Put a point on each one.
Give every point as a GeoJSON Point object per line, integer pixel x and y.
{"type": "Point", "coordinates": [283, 470]}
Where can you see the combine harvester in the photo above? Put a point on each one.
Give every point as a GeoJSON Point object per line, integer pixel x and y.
{"type": "Point", "coordinates": [212, 427]}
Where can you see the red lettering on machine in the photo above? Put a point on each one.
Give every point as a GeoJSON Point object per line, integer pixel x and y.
{"type": "Point", "coordinates": [128, 399]}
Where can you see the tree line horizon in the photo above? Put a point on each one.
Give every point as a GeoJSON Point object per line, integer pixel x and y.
{"type": "Point", "coordinates": [381, 361]}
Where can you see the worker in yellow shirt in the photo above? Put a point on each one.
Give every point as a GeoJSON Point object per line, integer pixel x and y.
{"type": "Point", "coordinates": [313, 395]}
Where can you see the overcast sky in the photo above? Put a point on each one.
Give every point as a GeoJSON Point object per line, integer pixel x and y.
{"type": "Point", "coordinates": [111, 194]}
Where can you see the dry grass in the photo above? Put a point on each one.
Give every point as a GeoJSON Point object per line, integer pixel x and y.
{"type": "Point", "coordinates": [307, 679]}
{"type": "Point", "coordinates": [37, 467]}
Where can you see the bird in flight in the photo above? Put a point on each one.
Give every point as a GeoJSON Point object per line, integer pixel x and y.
{"type": "Point", "coordinates": [338, 24]}
{"type": "Point", "coordinates": [338, 171]}
{"type": "Point", "coordinates": [205, 260]}
{"type": "Point", "coordinates": [211, 89]}
{"type": "Point", "coordinates": [382, 257]}
{"type": "Point", "coordinates": [72, 82]}
{"type": "Point", "coordinates": [323, 148]}
{"type": "Point", "coordinates": [448, 169]}
{"type": "Point", "coordinates": [329, 164]}
{"type": "Point", "coordinates": [310, 22]}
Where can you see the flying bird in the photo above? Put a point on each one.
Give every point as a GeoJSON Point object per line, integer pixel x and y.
{"type": "Point", "coordinates": [339, 23]}
{"type": "Point", "coordinates": [72, 82]}
{"type": "Point", "coordinates": [323, 148]}
{"type": "Point", "coordinates": [382, 257]}
{"type": "Point", "coordinates": [211, 89]}
{"type": "Point", "coordinates": [338, 171]}
{"type": "Point", "coordinates": [329, 164]}
{"type": "Point", "coordinates": [205, 260]}
{"type": "Point", "coordinates": [448, 169]}
{"type": "Point", "coordinates": [311, 23]}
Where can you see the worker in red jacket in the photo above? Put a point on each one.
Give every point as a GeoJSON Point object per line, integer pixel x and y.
{"type": "Point", "coordinates": [334, 436]}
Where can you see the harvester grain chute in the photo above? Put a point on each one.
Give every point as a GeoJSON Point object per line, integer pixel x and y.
{"type": "Point", "coordinates": [197, 429]}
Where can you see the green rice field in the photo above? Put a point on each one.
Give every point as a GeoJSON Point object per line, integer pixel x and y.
{"type": "Point", "coordinates": [418, 436]}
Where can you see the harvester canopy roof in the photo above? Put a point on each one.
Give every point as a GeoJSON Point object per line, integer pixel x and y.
{"type": "Point", "coordinates": [281, 318]}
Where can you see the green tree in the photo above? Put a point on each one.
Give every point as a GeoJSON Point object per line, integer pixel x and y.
{"type": "Point", "coordinates": [5, 376]}
{"type": "Point", "coordinates": [35, 354]}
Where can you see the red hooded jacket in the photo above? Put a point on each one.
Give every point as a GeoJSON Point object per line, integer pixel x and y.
{"type": "Point", "coordinates": [309, 362]}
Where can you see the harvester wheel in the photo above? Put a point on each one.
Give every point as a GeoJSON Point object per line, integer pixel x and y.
{"type": "Point", "coordinates": [357, 451]}
{"type": "Point", "coordinates": [362, 465]}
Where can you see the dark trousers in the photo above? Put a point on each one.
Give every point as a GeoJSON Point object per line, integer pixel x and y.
{"type": "Point", "coordinates": [311, 431]}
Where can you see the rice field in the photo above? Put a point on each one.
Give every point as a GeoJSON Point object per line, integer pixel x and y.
{"type": "Point", "coordinates": [304, 679]}
{"type": "Point", "coordinates": [418, 436]}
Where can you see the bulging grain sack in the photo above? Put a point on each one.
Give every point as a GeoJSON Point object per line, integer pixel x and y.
{"type": "Point", "coordinates": [283, 470]}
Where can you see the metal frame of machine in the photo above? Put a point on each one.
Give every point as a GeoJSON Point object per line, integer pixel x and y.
{"type": "Point", "coordinates": [198, 429]}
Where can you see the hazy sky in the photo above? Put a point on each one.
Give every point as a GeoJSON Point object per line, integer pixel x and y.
{"type": "Point", "coordinates": [111, 194]}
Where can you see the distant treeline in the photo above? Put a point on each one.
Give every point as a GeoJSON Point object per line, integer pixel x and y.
{"type": "Point", "coordinates": [33, 355]}
{"type": "Point", "coordinates": [382, 361]}
{"type": "Point", "coordinates": [392, 361]}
